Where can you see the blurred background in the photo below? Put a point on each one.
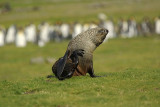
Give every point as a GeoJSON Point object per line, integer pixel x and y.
{"type": "Point", "coordinates": [35, 33]}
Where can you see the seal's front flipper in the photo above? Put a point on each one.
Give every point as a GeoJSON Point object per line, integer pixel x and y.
{"type": "Point", "coordinates": [91, 72]}
{"type": "Point", "coordinates": [75, 54]}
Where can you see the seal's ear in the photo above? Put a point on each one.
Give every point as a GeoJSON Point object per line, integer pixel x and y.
{"type": "Point", "coordinates": [61, 64]}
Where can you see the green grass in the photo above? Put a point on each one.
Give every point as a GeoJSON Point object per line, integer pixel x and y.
{"type": "Point", "coordinates": [76, 10]}
{"type": "Point", "coordinates": [132, 67]}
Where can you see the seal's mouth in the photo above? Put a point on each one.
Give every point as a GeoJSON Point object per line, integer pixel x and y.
{"type": "Point", "coordinates": [103, 37]}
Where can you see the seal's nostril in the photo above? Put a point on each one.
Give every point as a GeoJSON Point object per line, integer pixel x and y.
{"type": "Point", "coordinates": [107, 31]}
{"type": "Point", "coordinates": [103, 31]}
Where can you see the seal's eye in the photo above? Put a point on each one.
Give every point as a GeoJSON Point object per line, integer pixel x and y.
{"type": "Point", "coordinates": [101, 31]}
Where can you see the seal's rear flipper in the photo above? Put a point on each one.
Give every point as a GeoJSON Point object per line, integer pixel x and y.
{"type": "Point", "coordinates": [50, 76]}
{"type": "Point", "coordinates": [61, 64]}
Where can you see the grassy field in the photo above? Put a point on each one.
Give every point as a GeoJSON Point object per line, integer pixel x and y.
{"type": "Point", "coordinates": [132, 67]}
{"type": "Point", "coordinates": [26, 11]}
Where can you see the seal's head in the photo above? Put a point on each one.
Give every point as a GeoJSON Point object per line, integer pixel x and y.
{"type": "Point", "coordinates": [98, 35]}
{"type": "Point", "coordinates": [88, 40]}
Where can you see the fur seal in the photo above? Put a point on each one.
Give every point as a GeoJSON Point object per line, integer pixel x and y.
{"type": "Point", "coordinates": [78, 59]}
